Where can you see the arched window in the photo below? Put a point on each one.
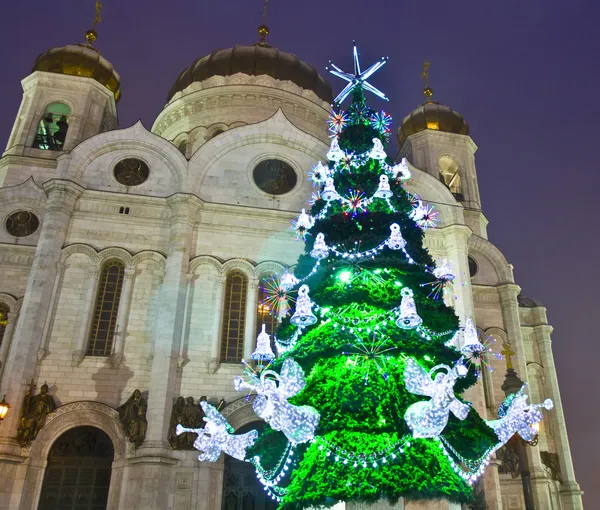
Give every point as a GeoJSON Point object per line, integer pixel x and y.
{"type": "Point", "coordinates": [53, 127]}
{"type": "Point", "coordinates": [102, 332]}
{"type": "Point", "coordinates": [4, 311]}
{"type": "Point", "coordinates": [449, 174]}
{"type": "Point", "coordinates": [266, 312]}
{"type": "Point", "coordinates": [234, 317]}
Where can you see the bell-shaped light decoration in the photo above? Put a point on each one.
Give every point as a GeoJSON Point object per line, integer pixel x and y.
{"type": "Point", "coordinates": [319, 173]}
{"type": "Point", "coordinates": [401, 170]}
{"type": "Point", "coordinates": [444, 272]}
{"type": "Point", "coordinates": [471, 342]}
{"type": "Point", "coordinates": [263, 349]}
{"type": "Point", "coordinates": [305, 220]}
{"type": "Point", "coordinates": [288, 280]}
{"type": "Point", "coordinates": [377, 152]}
{"type": "Point", "coordinates": [396, 241]}
{"type": "Point", "coordinates": [383, 191]}
{"type": "Point", "coordinates": [408, 318]}
{"type": "Point", "coordinates": [320, 249]}
{"type": "Point", "coordinates": [303, 315]}
{"type": "Point", "coordinates": [335, 153]}
{"type": "Point", "coordinates": [418, 211]}
{"type": "Point", "coordinates": [329, 193]}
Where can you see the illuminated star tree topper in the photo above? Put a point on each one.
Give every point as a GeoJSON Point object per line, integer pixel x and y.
{"type": "Point", "coordinates": [358, 78]}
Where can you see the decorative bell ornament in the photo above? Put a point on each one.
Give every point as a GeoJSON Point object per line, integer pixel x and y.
{"type": "Point", "coordinates": [444, 272]}
{"type": "Point", "coordinates": [288, 280]}
{"type": "Point", "coordinates": [418, 212]}
{"type": "Point", "coordinates": [408, 318]}
{"type": "Point", "coordinates": [471, 342]}
{"type": "Point", "coordinates": [335, 153]}
{"type": "Point", "coordinates": [377, 152]}
{"type": "Point", "coordinates": [396, 241]}
{"type": "Point", "coordinates": [319, 173]}
{"type": "Point", "coordinates": [263, 349]}
{"type": "Point", "coordinates": [401, 170]}
{"type": "Point", "coordinates": [329, 193]}
{"type": "Point", "coordinates": [305, 220]}
{"type": "Point", "coordinates": [303, 315]}
{"type": "Point", "coordinates": [383, 191]}
{"type": "Point", "coordinates": [320, 249]}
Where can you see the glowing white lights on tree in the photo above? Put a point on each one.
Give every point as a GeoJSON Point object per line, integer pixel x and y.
{"type": "Point", "coordinates": [377, 152]}
{"type": "Point", "coordinates": [518, 416]}
{"type": "Point", "coordinates": [396, 241]}
{"type": "Point", "coordinates": [444, 278]}
{"type": "Point", "coordinates": [428, 419]}
{"type": "Point", "coordinates": [298, 423]}
{"type": "Point", "coordinates": [303, 315]}
{"type": "Point", "coordinates": [383, 190]}
{"type": "Point", "coordinates": [318, 174]}
{"type": "Point", "coordinates": [337, 121]}
{"type": "Point", "coordinates": [408, 318]}
{"type": "Point", "coordinates": [302, 225]}
{"type": "Point", "coordinates": [320, 249]}
{"type": "Point", "coordinates": [217, 436]}
{"type": "Point", "coordinates": [372, 353]}
{"type": "Point", "coordinates": [277, 296]}
{"type": "Point", "coordinates": [401, 170]}
{"type": "Point", "coordinates": [263, 349]}
{"type": "Point", "coordinates": [335, 153]}
{"type": "Point", "coordinates": [329, 192]}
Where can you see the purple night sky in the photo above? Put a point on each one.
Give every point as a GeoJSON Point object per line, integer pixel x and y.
{"type": "Point", "coordinates": [513, 69]}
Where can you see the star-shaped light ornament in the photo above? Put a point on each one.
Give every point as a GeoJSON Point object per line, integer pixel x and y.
{"type": "Point", "coordinates": [358, 78]}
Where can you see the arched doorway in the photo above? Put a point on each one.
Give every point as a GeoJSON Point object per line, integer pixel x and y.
{"type": "Point", "coordinates": [241, 488]}
{"type": "Point", "coordinates": [78, 473]}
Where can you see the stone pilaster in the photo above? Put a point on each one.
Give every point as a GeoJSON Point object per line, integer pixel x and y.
{"type": "Point", "coordinates": [570, 492]}
{"type": "Point", "coordinates": [6, 339]}
{"type": "Point", "coordinates": [22, 358]}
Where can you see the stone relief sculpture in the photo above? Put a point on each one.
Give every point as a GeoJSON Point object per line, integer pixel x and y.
{"type": "Point", "coordinates": [510, 461]}
{"type": "Point", "coordinates": [550, 460]}
{"type": "Point", "coordinates": [132, 415]}
{"type": "Point", "coordinates": [188, 414]}
{"type": "Point", "coordinates": [34, 410]}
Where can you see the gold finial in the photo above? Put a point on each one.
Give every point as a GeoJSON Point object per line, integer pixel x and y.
{"type": "Point", "coordinates": [91, 34]}
{"type": "Point", "coordinates": [263, 30]}
{"type": "Point", "coordinates": [427, 91]}
{"type": "Point", "coordinates": [507, 352]}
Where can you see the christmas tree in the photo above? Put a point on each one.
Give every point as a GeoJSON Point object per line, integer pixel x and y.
{"type": "Point", "coordinates": [364, 402]}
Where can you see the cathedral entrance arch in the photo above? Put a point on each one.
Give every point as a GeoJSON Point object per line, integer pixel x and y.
{"type": "Point", "coordinates": [78, 473]}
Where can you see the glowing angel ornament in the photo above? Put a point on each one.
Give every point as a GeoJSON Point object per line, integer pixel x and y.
{"type": "Point", "coordinates": [298, 423]}
{"type": "Point", "coordinates": [428, 419]}
{"type": "Point", "coordinates": [303, 315]}
{"type": "Point", "coordinates": [263, 349]}
{"type": "Point", "coordinates": [377, 152]}
{"type": "Point", "coordinates": [335, 153]}
{"type": "Point", "coordinates": [329, 192]}
{"type": "Point", "coordinates": [401, 170]}
{"type": "Point", "coordinates": [518, 416]}
{"type": "Point", "coordinates": [471, 342]}
{"type": "Point", "coordinates": [396, 241]}
{"type": "Point", "coordinates": [408, 318]}
{"type": "Point", "coordinates": [217, 437]}
{"type": "Point", "coordinates": [320, 249]}
{"type": "Point", "coordinates": [383, 190]}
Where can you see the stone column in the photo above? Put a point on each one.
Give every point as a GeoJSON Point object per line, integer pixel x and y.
{"type": "Point", "coordinates": [512, 324]}
{"type": "Point", "coordinates": [86, 316]}
{"type": "Point", "coordinates": [122, 315]}
{"type": "Point", "coordinates": [152, 470]}
{"type": "Point", "coordinates": [43, 350]}
{"type": "Point", "coordinates": [214, 362]}
{"type": "Point", "coordinates": [8, 334]}
{"type": "Point", "coordinates": [251, 311]}
{"type": "Point", "coordinates": [22, 359]}
{"type": "Point", "coordinates": [570, 492]}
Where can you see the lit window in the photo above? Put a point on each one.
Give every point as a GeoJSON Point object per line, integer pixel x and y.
{"type": "Point", "coordinates": [234, 317]}
{"type": "Point", "coordinates": [449, 174]}
{"type": "Point", "coordinates": [4, 311]}
{"type": "Point", "coordinates": [104, 321]}
{"type": "Point", "coordinates": [53, 127]}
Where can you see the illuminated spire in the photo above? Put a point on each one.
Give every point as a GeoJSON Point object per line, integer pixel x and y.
{"type": "Point", "coordinates": [91, 34]}
{"type": "Point", "coordinates": [427, 91]}
{"type": "Point", "coordinates": [263, 30]}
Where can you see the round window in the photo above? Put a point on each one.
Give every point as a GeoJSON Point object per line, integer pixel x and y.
{"type": "Point", "coordinates": [473, 267]}
{"type": "Point", "coordinates": [274, 176]}
{"type": "Point", "coordinates": [131, 172]}
{"type": "Point", "coordinates": [22, 223]}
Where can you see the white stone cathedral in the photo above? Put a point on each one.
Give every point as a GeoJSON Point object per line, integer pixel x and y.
{"type": "Point", "coordinates": [135, 259]}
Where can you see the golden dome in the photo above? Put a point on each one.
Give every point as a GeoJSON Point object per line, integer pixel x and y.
{"type": "Point", "coordinates": [432, 115]}
{"type": "Point", "coordinates": [80, 60]}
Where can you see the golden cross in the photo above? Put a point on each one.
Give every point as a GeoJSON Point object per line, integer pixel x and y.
{"type": "Point", "coordinates": [98, 17]}
{"type": "Point", "coordinates": [265, 12]}
{"type": "Point", "coordinates": [2, 321]}
{"type": "Point", "coordinates": [425, 73]}
{"type": "Point", "coordinates": [507, 353]}
{"type": "Point", "coordinates": [263, 30]}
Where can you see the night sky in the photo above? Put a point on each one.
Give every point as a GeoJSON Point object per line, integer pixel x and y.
{"type": "Point", "coordinates": [524, 75]}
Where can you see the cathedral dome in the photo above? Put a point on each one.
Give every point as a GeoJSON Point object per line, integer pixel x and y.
{"type": "Point", "coordinates": [435, 116]}
{"type": "Point", "coordinates": [255, 60]}
{"type": "Point", "coordinates": [80, 60]}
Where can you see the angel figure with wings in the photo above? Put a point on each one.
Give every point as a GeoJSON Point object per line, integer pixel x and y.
{"type": "Point", "coordinates": [217, 436]}
{"type": "Point", "coordinates": [298, 423]}
{"type": "Point", "coordinates": [516, 415]}
{"type": "Point", "coordinates": [428, 419]}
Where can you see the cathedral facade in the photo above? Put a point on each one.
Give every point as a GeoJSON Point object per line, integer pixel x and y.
{"type": "Point", "coordinates": [135, 263]}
